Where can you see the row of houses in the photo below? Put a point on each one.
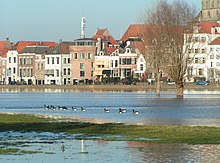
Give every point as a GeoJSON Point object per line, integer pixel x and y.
{"type": "Point", "coordinates": [90, 60]}
{"type": "Point", "coordinates": [84, 60]}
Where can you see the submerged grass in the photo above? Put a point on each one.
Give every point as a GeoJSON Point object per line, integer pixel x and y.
{"type": "Point", "coordinates": [15, 151]}
{"type": "Point", "coordinates": [145, 133]}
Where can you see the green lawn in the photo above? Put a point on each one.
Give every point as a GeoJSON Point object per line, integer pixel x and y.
{"type": "Point", "coordinates": [158, 133]}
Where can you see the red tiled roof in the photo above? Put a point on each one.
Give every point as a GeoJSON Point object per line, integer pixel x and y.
{"type": "Point", "coordinates": [4, 48]}
{"type": "Point", "coordinates": [21, 45]}
{"type": "Point", "coordinates": [105, 36]}
{"type": "Point", "coordinates": [109, 50]}
{"type": "Point", "coordinates": [205, 27]}
{"type": "Point", "coordinates": [216, 41]}
{"type": "Point", "coordinates": [134, 30]}
{"type": "Point", "coordinates": [100, 32]}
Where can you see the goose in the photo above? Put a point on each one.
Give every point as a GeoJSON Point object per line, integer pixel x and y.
{"type": "Point", "coordinates": [74, 108]}
{"type": "Point", "coordinates": [120, 110]}
{"type": "Point", "coordinates": [64, 108]}
{"type": "Point", "coordinates": [106, 110]}
{"type": "Point", "coordinates": [83, 109]}
{"type": "Point", "coordinates": [135, 112]}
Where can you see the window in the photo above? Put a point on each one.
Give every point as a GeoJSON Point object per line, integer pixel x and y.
{"type": "Point", "coordinates": [28, 72]}
{"type": "Point", "coordinates": [20, 72]}
{"type": "Point", "coordinates": [64, 71]}
{"type": "Point", "coordinates": [189, 51]}
{"type": "Point", "coordinates": [58, 60]}
{"type": "Point", "coordinates": [92, 73]}
{"type": "Point", "coordinates": [89, 55]}
{"type": "Point", "coordinates": [196, 51]}
{"type": "Point", "coordinates": [82, 66]}
{"type": "Point", "coordinates": [92, 65]}
{"type": "Point", "coordinates": [28, 61]}
{"type": "Point", "coordinates": [128, 61]}
{"type": "Point", "coordinates": [82, 73]}
{"type": "Point", "coordinates": [48, 60]}
{"type": "Point", "coordinates": [203, 51]}
{"type": "Point", "coordinates": [123, 61]}
{"type": "Point", "coordinates": [68, 59]}
{"type": "Point", "coordinates": [24, 72]}
{"type": "Point", "coordinates": [203, 39]}
{"type": "Point", "coordinates": [116, 63]}
{"type": "Point", "coordinates": [68, 71]}
{"type": "Point", "coordinates": [64, 60]}
{"type": "Point", "coordinates": [82, 56]}
{"type": "Point", "coordinates": [42, 66]}
{"type": "Point", "coordinates": [53, 60]}
{"type": "Point", "coordinates": [200, 71]}
{"type": "Point", "coordinates": [24, 61]}
{"type": "Point", "coordinates": [57, 73]}
{"type": "Point", "coordinates": [9, 59]}
{"type": "Point", "coordinates": [203, 60]}
{"type": "Point", "coordinates": [31, 61]}
{"type": "Point", "coordinates": [141, 67]}
{"type": "Point", "coordinates": [196, 60]}
{"type": "Point", "coordinates": [14, 59]}
{"type": "Point", "coordinates": [14, 70]}
{"type": "Point", "coordinates": [196, 39]}
{"type": "Point", "coordinates": [209, 15]}
{"type": "Point", "coordinates": [31, 72]}
{"type": "Point", "coordinates": [111, 63]}
{"type": "Point", "coordinates": [20, 61]}
{"type": "Point", "coordinates": [38, 66]}
{"type": "Point", "coordinates": [134, 60]}
{"type": "Point", "coordinates": [75, 55]}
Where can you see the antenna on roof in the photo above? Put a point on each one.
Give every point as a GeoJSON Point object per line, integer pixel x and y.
{"type": "Point", "coordinates": [83, 26]}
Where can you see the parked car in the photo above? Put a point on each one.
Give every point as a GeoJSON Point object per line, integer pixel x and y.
{"type": "Point", "coordinates": [129, 83]}
{"type": "Point", "coordinates": [202, 83]}
{"type": "Point", "coordinates": [13, 83]}
{"type": "Point", "coordinates": [171, 83]}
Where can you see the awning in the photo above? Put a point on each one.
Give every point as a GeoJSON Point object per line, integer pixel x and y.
{"type": "Point", "coordinates": [106, 72]}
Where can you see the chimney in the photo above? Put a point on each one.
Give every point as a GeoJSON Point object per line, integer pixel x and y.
{"type": "Point", "coordinates": [213, 30]}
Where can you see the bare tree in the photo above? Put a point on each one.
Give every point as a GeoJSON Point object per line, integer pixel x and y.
{"type": "Point", "coordinates": [168, 24]}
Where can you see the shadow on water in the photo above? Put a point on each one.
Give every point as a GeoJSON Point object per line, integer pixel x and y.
{"type": "Point", "coordinates": [50, 147]}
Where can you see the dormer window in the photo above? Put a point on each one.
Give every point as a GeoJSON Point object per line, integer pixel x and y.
{"type": "Point", "coordinates": [128, 50]}
{"type": "Point", "coordinates": [117, 52]}
{"type": "Point", "coordinates": [101, 54]}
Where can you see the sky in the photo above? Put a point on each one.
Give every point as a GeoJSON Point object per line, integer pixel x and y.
{"type": "Point", "coordinates": [52, 20]}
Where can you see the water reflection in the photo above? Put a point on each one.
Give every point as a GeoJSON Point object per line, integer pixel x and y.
{"type": "Point", "coordinates": [175, 152]}
{"type": "Point", "coordinates": [58, 148]}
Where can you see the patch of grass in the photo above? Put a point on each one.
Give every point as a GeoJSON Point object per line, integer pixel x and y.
{"type": "Point", "coordinates": [8, 150]}
{"type": "Point", "coordinates": [158, 133]}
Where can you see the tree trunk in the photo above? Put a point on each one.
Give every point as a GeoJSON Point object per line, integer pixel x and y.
{"type": "Point", "coordinates": [179, 89]}
{"type": "Point", "coordinates": [158, 85]}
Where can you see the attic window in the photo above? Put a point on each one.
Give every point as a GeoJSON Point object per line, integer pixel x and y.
{"type": "Point", "coordinates": [101, 53]}
{"type": "Point", "coordinates": [128, 50]}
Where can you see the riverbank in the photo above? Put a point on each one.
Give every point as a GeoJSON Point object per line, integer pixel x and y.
{"type": "Point", "coordinates": [91, 88]}
{"type": "Point", "coordinates": [108, 131]}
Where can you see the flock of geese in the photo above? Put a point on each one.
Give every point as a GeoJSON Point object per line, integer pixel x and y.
{"type": "Point", "coordinates": [52, 107]}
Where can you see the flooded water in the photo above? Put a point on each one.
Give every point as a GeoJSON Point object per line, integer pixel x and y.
{"type": "Point", "coordinates": [57, 148]}
{"type": "Point", "coordinates": [196, 108]}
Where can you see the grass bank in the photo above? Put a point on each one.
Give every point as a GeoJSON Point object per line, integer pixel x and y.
{"type": "Point", "coordinates": [146, 133]}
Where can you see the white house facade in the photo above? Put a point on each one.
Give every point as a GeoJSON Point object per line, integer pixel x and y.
{"type": "Point", "coordinates": [53, 69]}
{"type": "Point", "coordinates": [12, 67]}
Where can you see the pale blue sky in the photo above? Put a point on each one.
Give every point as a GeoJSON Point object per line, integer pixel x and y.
{"type": "Point", "coordinates": [52, 20]}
